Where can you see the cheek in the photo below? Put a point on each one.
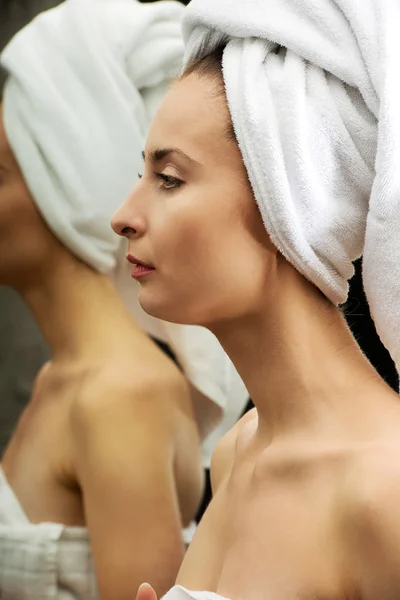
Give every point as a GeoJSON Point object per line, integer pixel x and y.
{"type": "Point", "coordinates": [11, 209]}
{"type": "Point", "coordinates": [210, 263]}
{"type": "Point", "coordinates": [186, 235]}
{"type": "Point", "coordinates": [20, 220]}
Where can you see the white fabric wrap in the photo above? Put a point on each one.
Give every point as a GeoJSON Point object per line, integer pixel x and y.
{"type": "Point", "coordinates": [313, 88]}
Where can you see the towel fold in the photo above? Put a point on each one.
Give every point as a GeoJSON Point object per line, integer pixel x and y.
{"type": "Point", "coordinates": [75, 114]}
{"type": "Point", "coordinates": [313, 88]}
{"type": "Point", "coordinates": [84, 82]}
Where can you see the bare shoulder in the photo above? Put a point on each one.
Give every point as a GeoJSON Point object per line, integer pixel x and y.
{"type": "Point", "coordinates": [374, 477]}
{"type": "Point", "coordinates": [224, 453]}
{"type": "Point", "coordinates": [125, 410]}
{"type": "Point", "coordinates": [124, 426]}
{"type": "Point", "coordinates": [122, 411]}
{"type": "Point", "coordinates": [372, 518]}
{"type": "Point", "coordinates": [123, 388]}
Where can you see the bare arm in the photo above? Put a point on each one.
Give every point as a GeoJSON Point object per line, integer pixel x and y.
{"type": "Point", "coordinates": [124, 461]}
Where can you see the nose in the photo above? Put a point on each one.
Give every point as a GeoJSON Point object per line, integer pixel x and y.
{"type": "Point", "coordinates": [127, 224]}
{"type": "Point", "coordinates": [127, 232]}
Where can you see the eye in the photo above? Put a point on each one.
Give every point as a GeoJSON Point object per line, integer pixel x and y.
{"type": "Point", "coordinates": [169, 183]}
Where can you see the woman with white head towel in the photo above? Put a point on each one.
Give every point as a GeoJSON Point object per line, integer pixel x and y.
{"type": "Point", "coordinates": [282, 170]}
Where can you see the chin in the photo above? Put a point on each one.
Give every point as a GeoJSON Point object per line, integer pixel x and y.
{"type": "Point", "coordinates": [173, 312]}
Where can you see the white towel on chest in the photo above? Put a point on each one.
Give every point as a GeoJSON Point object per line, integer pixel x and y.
{"type": "Point", "coordinates": [180, 593]}
{"type": "Point", "coordinates": [314, 93]}
{"type": "Point", "coordinates": [84, 81]}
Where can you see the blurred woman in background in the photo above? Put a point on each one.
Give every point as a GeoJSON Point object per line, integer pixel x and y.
{"type": "Point", "coordinates": [106, 458]}
{"type": "Point", "coordinates": [19, 332]}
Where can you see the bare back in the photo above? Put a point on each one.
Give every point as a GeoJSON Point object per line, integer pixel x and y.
{"type": "Point", "coordinates": [111, 444]}
{"type": "Point", "coordinates": [40, 459]}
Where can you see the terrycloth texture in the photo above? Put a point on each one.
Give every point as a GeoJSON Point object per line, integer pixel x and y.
{"type": "Point", "coordinates": [40, 561]}
{"type": "Point", "coordinates": [180, 593]}
{"type": "Point", "coordinates": [84, 81]}
{"type": "Point", "coordinates": [313, 87]}
{"type": "Point", "coordinates": [75, 111]}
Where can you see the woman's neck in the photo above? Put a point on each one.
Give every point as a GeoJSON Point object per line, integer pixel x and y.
{"type": "Point", "coordinates": [77, 309]}
{"type": "Point", "coordinates": [303, 369]}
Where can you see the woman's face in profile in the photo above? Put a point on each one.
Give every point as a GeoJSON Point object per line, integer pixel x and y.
{"type": "Point", "coordinates": [192, 216]}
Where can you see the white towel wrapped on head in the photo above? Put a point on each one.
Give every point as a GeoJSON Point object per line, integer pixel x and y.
{"type": "Point", "coordinates": [313, 88]}
{"type": "Point", "coordinates": [75, 115]}
{"type": "Point", "coordinates": [84, 82]}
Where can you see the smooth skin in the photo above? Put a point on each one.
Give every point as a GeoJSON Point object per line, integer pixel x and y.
{"type": "Point", "coordinates": [109, 439]}
{"type": "Point", "coordinates": [307, 485]}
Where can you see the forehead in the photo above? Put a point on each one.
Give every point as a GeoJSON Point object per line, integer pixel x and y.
{"type": "Point", "coordinates": [194, 117]}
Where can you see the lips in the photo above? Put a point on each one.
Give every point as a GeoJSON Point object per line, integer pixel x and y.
{"type": "Point", "coordinates": [141, 269]}
{"type": "Point", "coordinates": [135, 261]}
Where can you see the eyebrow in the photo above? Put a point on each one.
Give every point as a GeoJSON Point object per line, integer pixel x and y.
{"type": "Point", "coordinates": [159, 154]}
